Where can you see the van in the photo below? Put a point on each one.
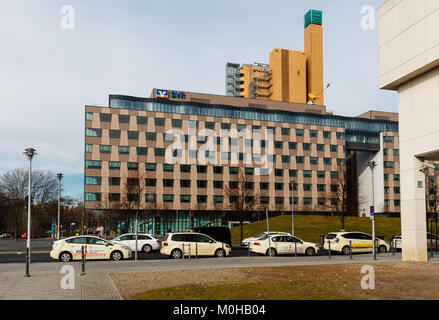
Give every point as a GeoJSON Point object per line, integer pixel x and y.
{"type": "Point", "coordinates": [221, 234]}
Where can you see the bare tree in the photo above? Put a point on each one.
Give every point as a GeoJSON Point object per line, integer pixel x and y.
{"type": "Point", "coordinates": [432, 191]}
{"type": "Point", "coordinates": [337, 195]}
{"type": "Point", "coordinates": [242, 197]}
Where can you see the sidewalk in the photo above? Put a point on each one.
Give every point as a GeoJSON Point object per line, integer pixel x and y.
{"type": "Point", "coordinates": [96, 284]}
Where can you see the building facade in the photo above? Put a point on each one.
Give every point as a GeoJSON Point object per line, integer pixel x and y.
{"type": "Point", "coordinates": [191, 156]}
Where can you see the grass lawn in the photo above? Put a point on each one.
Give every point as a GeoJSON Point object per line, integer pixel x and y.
{"type": "Point", "coordinates": [309, 227]}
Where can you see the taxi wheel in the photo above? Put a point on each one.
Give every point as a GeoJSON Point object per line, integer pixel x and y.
{"type": "Point", "coordinates": [310, 252]}
{"type": "Point", "coordinates": [65, 256]}
{"type": "Point", "coordinates": [147, 248]}
{"type": "Point", "coordinates": [176, 254]}
{"type": "Point", "coordinates": [116, 256]}
{"type": "Point", "coordinates": [346, 250]}
{"type": "Point", "coordinates": [272, 253]}
{"type": "Point", "coordinates": [382, 249]}
{"type": "Point", "coordinates": [219, 253]}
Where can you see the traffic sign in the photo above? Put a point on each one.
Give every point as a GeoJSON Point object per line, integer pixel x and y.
{"type": "Point", "coordinates": [372, 212]}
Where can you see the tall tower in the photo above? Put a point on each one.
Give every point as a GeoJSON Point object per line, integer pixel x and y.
{"type": "Point", "coordinates": [314, 54]}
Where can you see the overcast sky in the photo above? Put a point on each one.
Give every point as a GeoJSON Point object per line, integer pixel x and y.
{"type": "Point", "coordinates": [48, 74]}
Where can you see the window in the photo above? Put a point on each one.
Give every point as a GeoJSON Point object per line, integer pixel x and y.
{"type": "Point", "coordinates": [321, 201]}
{"type": "Point", "coordinates": [202, 169]}
{"type": "Point", "coordinates": [256, 128]}
{"type": "Point", "coordinates": [327, 161]}
{"type": "Point", "coordinates": [296, 200]}
{"type": "Point", "coordinates": [278, 186]}
{"type": "Point", "coordinates": [124, 150]}
{"type": "Point", "coordinates": [313, 133]}
{"type": "Point", "coordinates": [150, 182]}
{"type": "Point", "coordinates": [185, 183]}
{"type": "Point", "coordinates": [397, 177]}
{"type": "Point", "coordinates": [142, 151]}
{"type": "Point", "coordinates": [278, 200]}
{"type": "Point", "coordinates": [286, 159]}
{"type": "Point", "coordinates": [396, 152]}
{"type": "Point", "coordinates": [151, 166]}
{"type": "Point", "coordinates": [334, 175]}
{"type": "Point", "coordinates": [314, 160]}
{"type": "Point", "coordinates": [334, 188]}
{"type": "Point", "coordinates": [93, 181]}
{"type": "Point", "coordinates": [292, 145]}
{"type": "Point", "coordinates": [264, 185]}
{"type": "Point", "coordinates": [152, 136]}
{"type": "Point", "coordinates": [321, 187]}
{"type": "Point", "coordinates": [92, 196]}
{"type": "Point", "coordinates": [225, 126]}
{"type": "Point", "coordinates": [105, 117]}
{"type": "Point", "coordinates": [159, 152]}
{"type": "Point", "coordinates": [218, 199]}
{"type": "Point", "coordinates": [386, 177]}
{"type": "Point", "coordinates": [159, 122]}
{"type": "Point", "coordinates": [340, 135]}
{"type": "Point", "coordinates": [271, 130]}
{"type": "Point", "coordinates": [113, 197]}
{"type": "Point", "coordinates": [300, 160]}
{"type": "Point", "coordinates": [285, 131]}
{"type": "Point", "coordinates": [89, 164]}
{"type": "Point", "coordinates": [88, 148]}
{"type": "Point", "coordinates": [278, 144]}
{"type": "Point", "coordinates": [168, 198]}
{"type": "Point", "coordinates": [93, 132]}
{"type": "Point", "coordinates": [307, 146]}
{"type": "Point", "coordinates": [89, 116]}
{"type": "Point", "coordinates": [167, 137]}
{"type": "Point", "coordinates": [177, 123]}
{"type": "Point", "coordinates": [114, 181]}
{"type": "Point", "coordinates": [185, 198]}
{"type": "Point", "coordinates": [327, 134]}
{"type": "Point", "coordinates": [218, 184]}
{"type": "Point", "coordinates": [320, 147]}
{"type": "Point", "coordinates": [307, 173]}
{"type": "Point", "coordinates": [397, 190]}
{"type": "Point", "coordinates": [307, 187]}
{"type": "Point", "coordinates": [202, 199]}
{"type": "Point", "coordinates": [388, 139]}
{"type": "Point", "coordinates": [333, 148]}
{"type": "Point", "coordinates": [115, 134]}
{"type": "Point", "coordinates": [142, 120]}
{"type": "Point", "coordinates": [300, 132]}
{"type": "Point", "coordinates": [389, 164]}
{"type": "Point", "coordinates": [397, 203]}
{"type": "Point", "coordinates": [114, 165]}
{"type": "Point", "coordinates": [249, 171]}
{"type": "Point", "coordinates": [202, 184]}
{"type": "Point", "coordinates": [386, 190]}
{"type": "Point", "coordinates": [104, 149]}
{"type": "Point", "coordinates": [185, 168]}
{"type": "Point", "coordinates": [124, 118]}
{"type": "Point", "coordinates": [168, 167]}
{"type": "Point", "coordinates": [341, 162]}
{"type": "Point", "coordinates": [295, 186]}
{"type": "Point", "coordinates": [193, 124]}
{"type": "Point", "coordinates": [132, 166]}
{"type": "Point", "coordinates": [431, 179]}
{"type": "Point", "coordinates": [233, 170]}
{"type": "Point", "coordinates": [168, 183]}
{"type": "Point", "coordinates": [293, 173]}
{"type": "Point", "coordinates": [265, 200]}
{"type": "Point", "coordinates": [307, 201]}
{"type": "Point", "coordinates": [321, 174]}
{"type": "Point", "coordinates": [218, 170]}
{"type": "Point", "coordinates": [279, 172]}
{"type": "Point", "coordinates": [209, 125]}
{"type": "Point", "coordinates": [150, 197]}
{"type": "Point", "coordinates": [241, 127]}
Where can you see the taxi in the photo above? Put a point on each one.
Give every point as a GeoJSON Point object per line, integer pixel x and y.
{"type": "Point", "coordinates": [96, 248]}
{"type": "Point", "coordinates": [282, 244]}
{"type": "Point", "coordinates": [342, 242]}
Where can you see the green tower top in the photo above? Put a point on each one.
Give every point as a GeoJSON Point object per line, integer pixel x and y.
{"type": "Point", "coordinates": [313, 17]}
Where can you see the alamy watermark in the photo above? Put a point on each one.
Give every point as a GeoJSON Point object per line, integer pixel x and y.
{"type": "Point", "coordinates": [68, 281]}
{"type": "Point", "coordinates": [368, 20]}
{"type": "Point", "coordinates": [68, 19]}
{"type": "Point", "coordinates": [368, 281]}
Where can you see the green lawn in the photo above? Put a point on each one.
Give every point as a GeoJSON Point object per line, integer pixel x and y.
{"type": "Point", "coordinates": [309, 227]}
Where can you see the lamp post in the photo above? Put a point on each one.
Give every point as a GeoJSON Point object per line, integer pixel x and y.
{"type": "Point", "coordinates": [292, 208]}
{"type": "Point", "coordinates": [372, 165]}
{"type": "Point", "coordinates": [59, 176]}
{"type": "Point", "coordinates": [30, 152]}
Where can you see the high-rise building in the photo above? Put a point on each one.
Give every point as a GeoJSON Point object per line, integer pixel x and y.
{"type": "Point", "coordinates": [290, 76]}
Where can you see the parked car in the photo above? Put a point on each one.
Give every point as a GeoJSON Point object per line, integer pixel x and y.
{"type": "Point", "coordinates": [4, 235]}
{"type": "Point", "coordinates": [361, 242]}
{"type": "Point", "coordinates": [431, 241]}
{"type": "Point", "coordinates": [221, 234]}
{"type": "Point", "coordinates": [24, 235]}
{"type": "Point", "coordinates": [179, 244]}
{"type": "Point", "coordinates": [145, 242]}
{"type": "Point", "coordinates": [282, 244]}
{"type": "Point", "coordinates": [96, 248]}
{"type": "Point", "coordinates": [246, 241]}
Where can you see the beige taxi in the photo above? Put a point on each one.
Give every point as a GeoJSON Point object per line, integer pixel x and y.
{"type": "Point", "coordinates": [282, 245]}
{"type": "Point", "coordinates": [359, 242]}
{"type": "Point", "coordinates": [179, 244]}
{"type": "Point", "coordinates": [96, 248]}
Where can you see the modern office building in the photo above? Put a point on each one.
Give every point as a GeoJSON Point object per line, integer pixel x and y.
{"type": "Point", "coordinates": [191, 157]}
{"type": "Point", "coordinates": [290, 76]}
{"type": "Point", "coordinates": [409, 64]}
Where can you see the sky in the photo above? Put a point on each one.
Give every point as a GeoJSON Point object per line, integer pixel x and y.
{"type": "Point", "coordinates": [48, 73]}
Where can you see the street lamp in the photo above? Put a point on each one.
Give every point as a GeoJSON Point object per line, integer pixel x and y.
{"type": "Point", "coordinates": [292, 208]}
{"type": "Point", "coordinates": [30, 152]}
{"type": "Point", "coordinates": [372, 165]}
{"type": "Point", "coordinates": [59, 176]}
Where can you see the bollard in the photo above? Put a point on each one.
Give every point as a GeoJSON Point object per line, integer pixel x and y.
{"type": "Point", "coordinates": [392, 248]}
{"type": "Point", "coordinates": [196, 250]}
{"type": "Point", "coordinates": [222, 247]}
{"type": "Point", "coordinates": [329, 248]}
{"type": "Point", "coordinates": [248, 249]}
{"type": "Point", "coordinates": [27, 262]}
{"type": "Point", "coordinates": [189, 251]}
{"type": "Point", "coordinates": [431, 238]}
{"type": "Point", "coordinates": [295, 249]}
{"type": "Point", "coordinates": [350, 249]}
{"type": "Point", "coordinates": [83, 253]}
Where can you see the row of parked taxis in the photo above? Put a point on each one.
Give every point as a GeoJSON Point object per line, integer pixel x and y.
{"type": "Point", "coordinates": [179, 244]}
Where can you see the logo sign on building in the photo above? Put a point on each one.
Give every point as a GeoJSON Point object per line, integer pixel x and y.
{"type": "Point", "coordinates": [166, 94]}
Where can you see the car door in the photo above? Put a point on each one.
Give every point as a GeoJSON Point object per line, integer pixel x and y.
{"type": "Point", "coordinates": [205, 245]}
{"type": "Point", "coordinates": [188, 244]}
{"type": "Point", "coordinates": [295, 244]}
{"type": "Point", "coordinates": [75, 246]}
{"type": "Point", "coordinates": [281, 245]}
{"type": "Point", "coordinates": [366, 242]}
{"type": "Point", "coordinates": [354, 240]}
{"type": "Point", "coordinates": [126, 240]}
{"type": "Point", "coordinates": [98, 248]}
